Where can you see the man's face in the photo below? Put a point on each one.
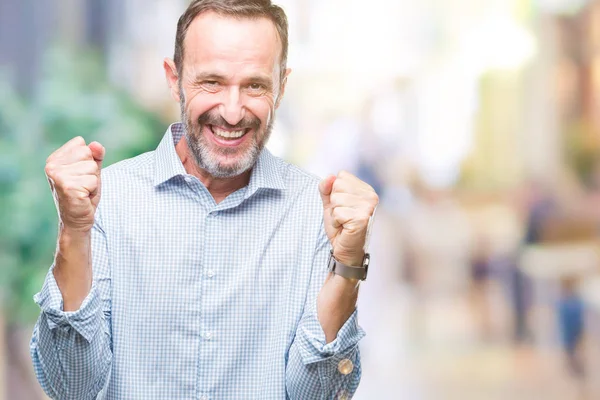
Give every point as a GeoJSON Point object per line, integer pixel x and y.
{"type": "Point", "coordinates": [229, 89]}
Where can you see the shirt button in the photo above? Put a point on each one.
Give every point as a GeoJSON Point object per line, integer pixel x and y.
{"type": "Point", "coordinates": [342, 395]}
{"type": "Point", "coordinates": [204, 397]}
{"type": "Point", "coordinates": [345, 366]}
{"type": "Point", "coordinates": [210, 273]}
{"type": "Point", "coordinates": [208, 335]}
{"type": "Point", "coordinates": [188, 179]}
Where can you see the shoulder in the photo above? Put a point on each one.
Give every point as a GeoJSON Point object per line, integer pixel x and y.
{"type": "Point", "coordinates": [138, 168]}
{"type": "Point", "coordinates": [298, 182]}
{"type": "Point", "coordinates": [302, 194]}
{"type": "Point", "coordinates": [291, 174]}
{"type": "Point", "coordinates": [300, 175]}
{"type": "Point", "coordinates": [125, 181]}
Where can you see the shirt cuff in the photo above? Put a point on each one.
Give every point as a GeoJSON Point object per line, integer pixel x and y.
{"type": "Point", "coordinates": [85, 320]}
{"type": "Point", "coordinates": [312, 342]}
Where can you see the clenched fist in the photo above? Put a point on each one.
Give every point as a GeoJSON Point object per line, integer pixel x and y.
{"type": "Point", "coordinates": [348, 205]}
{"type": "Point", "coordinates": [73, 172]}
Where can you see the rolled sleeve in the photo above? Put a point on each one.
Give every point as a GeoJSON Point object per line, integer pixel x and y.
{"type": "Point", "coordinates": [321, 370]}
{"type": "Point", "coordinates": [85, 320]}
{"type": "Point", "coordinates": [312, 343]}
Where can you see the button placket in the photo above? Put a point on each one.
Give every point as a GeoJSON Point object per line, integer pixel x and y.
{"type": "Point", "coordinates": [211, 216]}
{"type": "Point", "coordinates": [206, 323]}
{"type": "Point", "coordinates": [209, 273]}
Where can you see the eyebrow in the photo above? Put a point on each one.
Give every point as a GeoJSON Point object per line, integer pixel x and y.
{"type": "Point", "coordinates": [209, 76]}
{"type": "Point", "coordinates": [263, 80]}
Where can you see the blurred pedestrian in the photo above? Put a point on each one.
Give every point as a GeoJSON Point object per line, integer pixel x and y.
{"type": "Point", "coordinates": [570, 310]}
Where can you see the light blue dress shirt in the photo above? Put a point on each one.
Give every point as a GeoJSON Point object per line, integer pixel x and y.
{"type": "Point", "coordinates": [197, 300]}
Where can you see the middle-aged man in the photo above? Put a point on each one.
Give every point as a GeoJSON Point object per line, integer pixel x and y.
{"type": "Point", "coordinates": [210, 269]}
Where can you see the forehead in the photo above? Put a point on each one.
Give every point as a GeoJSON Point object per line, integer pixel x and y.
{"type": "Point", "coordinates": [226, 42]}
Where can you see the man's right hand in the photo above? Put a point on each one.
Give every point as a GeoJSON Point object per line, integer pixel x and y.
{"type": "Point", "coordinates": [74, 175]}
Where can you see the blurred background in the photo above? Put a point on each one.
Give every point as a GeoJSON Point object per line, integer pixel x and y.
{"type": "Point", "coordinates": [478, 123]}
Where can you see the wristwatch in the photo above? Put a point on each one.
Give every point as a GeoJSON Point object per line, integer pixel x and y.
{"type": "Point", "coordinates": [347, 271]}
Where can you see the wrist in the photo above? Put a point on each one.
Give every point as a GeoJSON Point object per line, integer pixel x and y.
{"type": "Point", "coordinates": [73, 246]}
{"type": "Point", "coordinates": [347, 284]}
{"type": "Point", "coordinates": [351, 259]}
{"type": "Point", "coordinates": [72, 267]}
{"type": "Point", "coordinates": [71, 236]}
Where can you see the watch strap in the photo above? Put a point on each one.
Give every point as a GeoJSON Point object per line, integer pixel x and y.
{"type": "Point", "coordinates": [348, 271]}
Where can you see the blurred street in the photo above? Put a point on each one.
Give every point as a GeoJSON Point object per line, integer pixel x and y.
{"type": "Point", "coordinates": [452, 346]}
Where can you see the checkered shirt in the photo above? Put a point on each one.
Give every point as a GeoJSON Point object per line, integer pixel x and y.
{"type": "Point", "coordinates": [197, 300]}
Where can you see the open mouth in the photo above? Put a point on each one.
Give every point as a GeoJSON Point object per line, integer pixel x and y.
{"type": "Point", "coordinates": [227, 137]}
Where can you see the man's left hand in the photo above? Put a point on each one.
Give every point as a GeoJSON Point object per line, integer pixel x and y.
{"type": "Point", "coordinates": [348, 206]}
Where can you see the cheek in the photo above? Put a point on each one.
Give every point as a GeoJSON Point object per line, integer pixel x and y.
{"type": "Point", "coordinates": [261, 108]}
{"type": "Point", "coordinates": [198, 103]}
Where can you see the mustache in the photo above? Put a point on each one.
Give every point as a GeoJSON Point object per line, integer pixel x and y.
{"type": "Point", "coordinates": [248, 122]}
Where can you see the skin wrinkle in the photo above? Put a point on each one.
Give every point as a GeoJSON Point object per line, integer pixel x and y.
{"type": "Point", "coordinates": [234, 54]}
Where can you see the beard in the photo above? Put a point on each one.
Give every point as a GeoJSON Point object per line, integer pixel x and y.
{"type": "Point", "coordinates": [210, 157]}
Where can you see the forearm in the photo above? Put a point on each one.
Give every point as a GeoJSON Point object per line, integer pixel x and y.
{"type": "Point", "coordinates": [336, 303]}
{"type": "Point", "coordinates": [337, 298]}
{"type": "Point", "coordinates": [73, 267]}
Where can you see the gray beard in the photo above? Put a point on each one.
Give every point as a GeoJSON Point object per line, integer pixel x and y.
{"type": "Point", "coordinates": [200, 150]}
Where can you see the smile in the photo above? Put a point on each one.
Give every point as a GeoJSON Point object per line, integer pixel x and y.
{"type": "Point", "coordinates": [227, 137]}
{"type": "Point", "coordinates": [227, 134]}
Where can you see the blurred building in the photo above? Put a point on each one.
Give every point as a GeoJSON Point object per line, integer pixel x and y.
{"type": "Point", "coordinates": [132, 36]}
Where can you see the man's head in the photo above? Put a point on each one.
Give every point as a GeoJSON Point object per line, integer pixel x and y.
{"type": "Point", "coordinates": [228, 74]}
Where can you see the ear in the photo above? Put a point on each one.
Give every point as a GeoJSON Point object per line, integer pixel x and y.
{"type": "Point", "coordinates": [288, 71]}
{"type": "Point", "coordinates": [172, 78]}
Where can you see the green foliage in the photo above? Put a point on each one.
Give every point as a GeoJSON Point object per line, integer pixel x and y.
{"type": "Point", "coordinates": [74, 98]}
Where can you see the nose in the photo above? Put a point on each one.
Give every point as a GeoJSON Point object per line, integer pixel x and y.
{"type": "Point", "coordinates": [232, 108]}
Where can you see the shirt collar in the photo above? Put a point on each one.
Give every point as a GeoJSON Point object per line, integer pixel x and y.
{"type": "Point", "coordinates": [167, 163]}
{"type": "Point", "coordinates": [267, 173]}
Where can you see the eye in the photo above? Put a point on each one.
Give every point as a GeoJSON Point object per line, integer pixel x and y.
{"type": "Point", "coordinates": [256, 86]}
{"type": "Point", "coordinates": [210, 85]}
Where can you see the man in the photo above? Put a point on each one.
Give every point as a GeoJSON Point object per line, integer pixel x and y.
{"type": "Point", "coordinates": [203, 272]}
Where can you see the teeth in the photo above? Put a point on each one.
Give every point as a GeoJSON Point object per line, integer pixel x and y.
{"type": "Point", "coordinates": [228, 134]}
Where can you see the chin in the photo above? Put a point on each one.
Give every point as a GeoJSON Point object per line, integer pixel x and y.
{"type": "Point", "coordinates": [228, 167]}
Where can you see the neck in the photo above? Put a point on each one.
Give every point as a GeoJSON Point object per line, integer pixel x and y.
{"type": "Point", "coordinates": [219, 188]}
